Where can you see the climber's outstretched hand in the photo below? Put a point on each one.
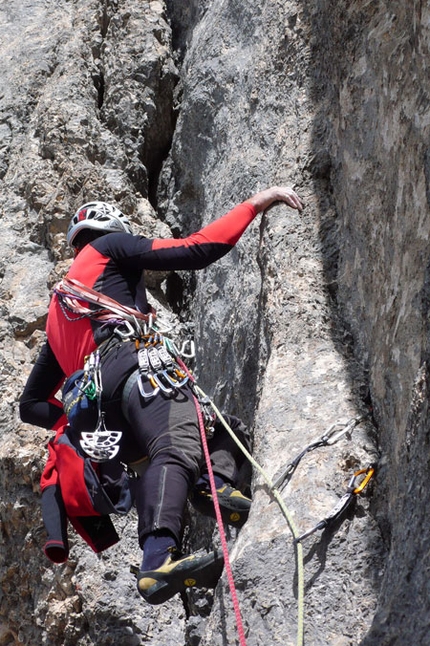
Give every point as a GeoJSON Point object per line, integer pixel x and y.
{"type": "Point", "coordinates": [264, 199]}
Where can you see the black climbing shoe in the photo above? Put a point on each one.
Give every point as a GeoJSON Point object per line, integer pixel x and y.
{"type": "Point", "coordinates": [234, 506]}
{"type": "Point", "coordinates": [200, 571]}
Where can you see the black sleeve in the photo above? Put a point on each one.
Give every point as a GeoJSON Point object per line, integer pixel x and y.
{"type": "Point", "coordinates": [55, 520]}
{"type": "Point", "coordinates": [196, 251]}
{"type": "Point", "coordinates": [37, 404]}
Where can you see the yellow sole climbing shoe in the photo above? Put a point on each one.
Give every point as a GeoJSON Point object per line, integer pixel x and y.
{"type": "Point", "coordinates": [199, 571]}
{"type": "Point", "coordinates": [234, 506]}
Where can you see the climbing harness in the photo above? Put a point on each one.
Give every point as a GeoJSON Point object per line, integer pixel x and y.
{"type": "Point", "coordinates": [354, 487]}
{"type": "Point", "coordinates": [157, 358]}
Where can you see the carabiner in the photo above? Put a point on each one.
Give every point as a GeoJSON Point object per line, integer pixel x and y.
{"type": "Point", "coordinates": [143, 327]}
{"type": "Point", "coordinates": [343, 502]}
{"type": "Point", "coordinates": [365, 481]}
{"type": "Point", "coordinates": [143, 392]}
{"type": "Point", "coordinates": [191, 353]}
{"type": "Point", "coordinates": [333, 435]}
{"type": "Point", "coordinates": [129, 332]}
{"type": "Point", "coordinates": [160, 384]}
{"type": "Point", "coordinates": [172, 381]}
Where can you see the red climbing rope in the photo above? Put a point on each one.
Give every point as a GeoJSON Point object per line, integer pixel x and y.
{"type": "Point", "coordinates": [224, 546]}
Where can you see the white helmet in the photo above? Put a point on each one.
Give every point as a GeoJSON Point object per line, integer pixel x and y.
{"type": "Point", "coordinates": [99, 216]}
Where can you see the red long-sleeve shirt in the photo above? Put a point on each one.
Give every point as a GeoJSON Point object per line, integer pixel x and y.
{"type": "Point", "coordinates": [113, 264]}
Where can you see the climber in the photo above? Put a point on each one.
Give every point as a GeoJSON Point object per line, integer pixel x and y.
{"type": "Point", "coordinates": [161, 426]}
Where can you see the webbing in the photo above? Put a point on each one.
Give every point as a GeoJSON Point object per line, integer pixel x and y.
{"type": "Point", "coordinates": [227, 565]}
{"type": "Point", "coordinates": [287, 515]}
{"type": "Point", "coordinates": [75, 294]}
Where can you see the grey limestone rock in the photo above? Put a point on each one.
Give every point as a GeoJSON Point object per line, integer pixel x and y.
{"type": "Point", "coordinates": [177, 111]}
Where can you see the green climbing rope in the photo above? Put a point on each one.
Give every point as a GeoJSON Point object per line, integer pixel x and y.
{"type": "Point", "coordinates": [277, 496]}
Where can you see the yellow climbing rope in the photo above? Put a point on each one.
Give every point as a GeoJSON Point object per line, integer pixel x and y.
{"type": "Point", "coordinates": [287, 515]}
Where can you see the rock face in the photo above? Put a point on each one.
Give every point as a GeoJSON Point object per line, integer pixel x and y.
{"type": "Point", "coordinates": [177, 111]}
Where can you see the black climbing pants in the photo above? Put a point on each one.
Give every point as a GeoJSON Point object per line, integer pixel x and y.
{"type": "Point", "coordinates": [165, 429]}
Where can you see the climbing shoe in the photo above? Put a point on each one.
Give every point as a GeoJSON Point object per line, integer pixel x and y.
{"type": "Point", "coordinates": [175, 575]}
{"type": "Point", "coordinates": [234, 506]}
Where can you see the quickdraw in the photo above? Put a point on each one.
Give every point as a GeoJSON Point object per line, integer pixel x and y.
{"type": "Point", "coordinates": [331, 436]}
{"type": "Point", "coordinates": [101, 444]}
{"type": "Point", "coordinates": [158, 366]}
{"type": "Point", "coordinates": [355, 487]}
